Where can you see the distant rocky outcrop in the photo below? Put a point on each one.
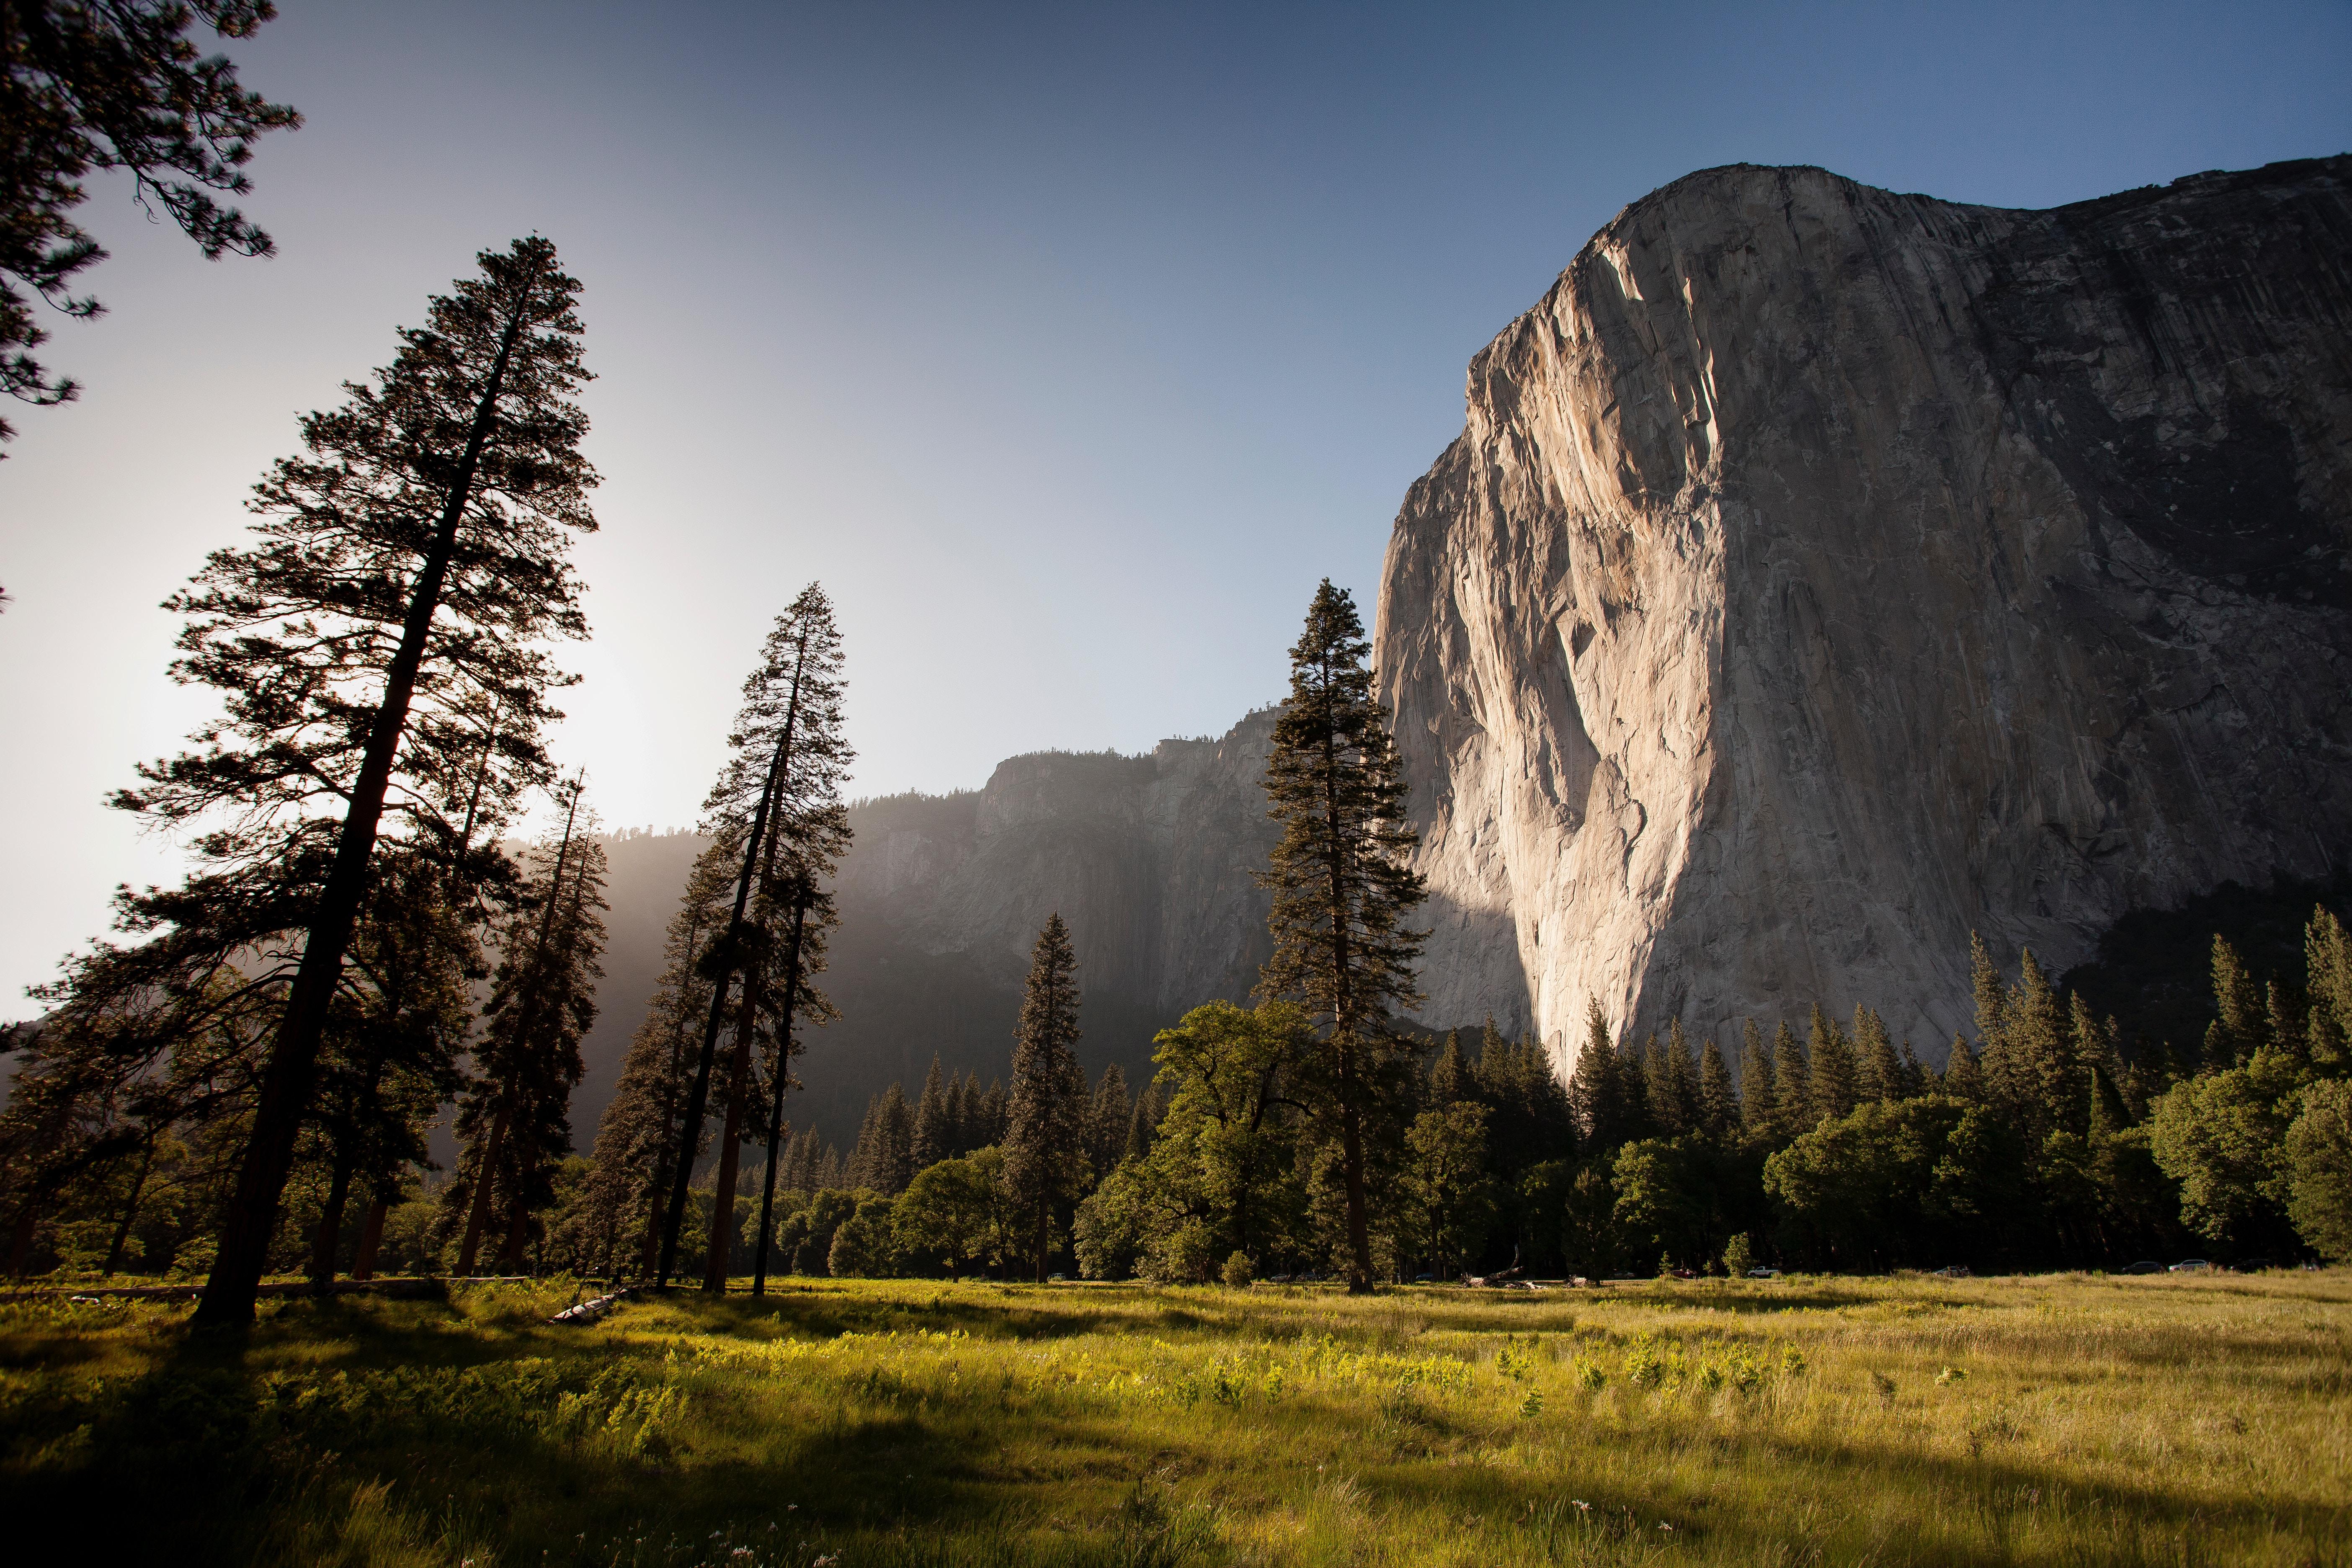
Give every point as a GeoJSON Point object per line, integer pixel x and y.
{"type": "Point", "coordinates": [1821, 573]}
{"type": "Point", "coordinates": [1824, 573]}
{"type": "Point", "coordinates": [1150, 859]}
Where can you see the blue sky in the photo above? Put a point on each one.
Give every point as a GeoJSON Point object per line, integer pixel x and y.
{"type": "Point", "coordinates": [1068, 346]}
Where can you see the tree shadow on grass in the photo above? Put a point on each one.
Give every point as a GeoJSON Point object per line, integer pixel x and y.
{"type": "Point", "coordinates": [228, 1450]}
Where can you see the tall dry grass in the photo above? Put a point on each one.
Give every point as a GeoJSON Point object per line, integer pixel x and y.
{"type": "Point", "coordinates": [2065, 1419]}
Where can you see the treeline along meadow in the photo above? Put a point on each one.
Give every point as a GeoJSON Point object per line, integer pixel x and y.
{"type": "Point", "coordinates": [177, 1090]}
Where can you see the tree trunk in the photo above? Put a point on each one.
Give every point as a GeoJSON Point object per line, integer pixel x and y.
{"type": "Point", "coordinates": [20, 1245]}
{"type": "Point", "coordinates": [730, 1155]}
{"type": "Point", "coordinates": [251, 1215]}
{"type": "Point", "coordinates": [371, 1240]}
{"type": "Point", "coordinates": [130, 1212]}
{"type": "Point", "coordinates": [783, 1076]}
{"type": "Point", "coordinates": [330, 1225]}
{"type": "Point", "coordinates": [697, 1100]}
{"type": "Point", "coordinates": [511, 1256]}
{"type": "Point", "coordinates": [478, 1202]}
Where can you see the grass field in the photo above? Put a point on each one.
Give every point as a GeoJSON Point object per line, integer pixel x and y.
{"type": "Point", "coordinates": [2062, 1419]}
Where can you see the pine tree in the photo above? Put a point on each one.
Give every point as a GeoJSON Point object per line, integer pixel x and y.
{"type": "Point", "coordinates": [1759, 1093]}
{"type": "Point", "coordinates": [1107, 1122]}
{"type": "Point", "coordinates": [883, 1161]}
{"type": "Point", "coordinates": [779, 795]}
{"type": "Point", "coordinates": [1139, 1130]}
{"type": "Point", "coordinates": [408, 566]}
{"type": "Point", "coordinates": [117, 85]}
{"type": "Point", "coordinates": [636, 1138]}
{"type": "Point", "coordinates": [389, 1053]}
{"type": "Point", "coordinates": [817, 839]}
{"type": "Point", "coordinates": [993, 1118]}
{"type": "Point", "coordinates": [2045, 1084]}
{"type": "Point", "coordinates": [1341, 888]}
{"type": "Point", "coordinates": [2240, 1002]}
{"type": "Point", "coordinates": [934, 1138]}
{"type": "Point", "coordinates": [2000, 1054]}
{"type": "Point", "coordinates": [1718, 1102]}
{"type": "Point", "coordinates": [2328, 967]}
{"type": "Point", "coordinates": [1914, 1078]}
{"type": "Point", "coordinates": [963, 1112]}
{"type": "Point", "coordinates": [543, 1000]}
{"type": "Point", "coordinates": [1833, 1077]}
{"type": "Point", "coordinates": [1042, 1149]}
{"type": "Point", "coordinates": [1449, 1076]}
{"type": "Point", "coordinates": [1797, 1110]}
{"type": "Point", "coordinates": [1878, 1071]}
{"type": "Point", "coordinates": [1963, 1079]}
{"type": "Point", "coordinates": [1675, 1094]}
{"type": "Point", "coordinates": [1600, 1098]}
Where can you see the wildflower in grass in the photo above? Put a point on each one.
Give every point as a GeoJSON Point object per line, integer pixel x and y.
{"type": "Point", "coordinates": [1792, 1361]}
{"type": "Point", "coordinates": [1532, 1405]}
{"type": "Point", "coordinates": [1587, 1374]}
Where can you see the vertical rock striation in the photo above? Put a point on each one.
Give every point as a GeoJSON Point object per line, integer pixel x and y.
{"type": "Point", "coordinates": [1824, 573]}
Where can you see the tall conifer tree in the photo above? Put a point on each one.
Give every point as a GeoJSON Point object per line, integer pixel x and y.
{"type": "Point", "coordinates": [1833, 1086]}
{"type": "Point", "coordinates": [1878, 1071]}
{"type": "Point", "coordinates": [778, 797]}
{"type": "Point", "coordinates": [636, 1138]}
{"type": "Point", "coordinates": [1342, 889]}
{"type": "Point", "coordinates": [409, 564]}
{"type": "Point", "coordinates": [934, 1139]}
{"type": "Point", "coordinates": [1794, 1077]}
{"type": "Point", "coordinates": [516, 1117]}
{"type": "Point", "coordinates": [1041, 1150]}
{"type": "Point", "coordinates": [1718, 1102]}
{"type": "Point", "coordinates": [1759, 1092]}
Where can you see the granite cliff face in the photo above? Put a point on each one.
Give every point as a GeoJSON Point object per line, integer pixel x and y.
{"type": "Point", "coordinates": [1824, 573]}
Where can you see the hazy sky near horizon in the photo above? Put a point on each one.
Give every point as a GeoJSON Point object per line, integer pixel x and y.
{"type": "Point", "coordinates": [1068, 346]}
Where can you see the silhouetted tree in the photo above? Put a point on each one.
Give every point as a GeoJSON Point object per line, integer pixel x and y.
{"type": "Point", "coordinates": [777, 796]}
{"type": "Point", "coordinates": [408, 565]}
{"type": "Point", "coordinates": [1342, 889]}
{"type": "Point", "coordinates": [389, 1055]}
{"type": "Point", "coordinates": [516, 1117]}
{"type": "Point", "coordinates": [636, 1138]}
{"type": "Point", "coordinates": [114, 84]}
{"type": "Point", "coordinates": [1042, 1149]}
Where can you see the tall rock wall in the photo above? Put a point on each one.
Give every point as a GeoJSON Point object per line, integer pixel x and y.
{"type": "Point", "coordinates": [1824, 573]}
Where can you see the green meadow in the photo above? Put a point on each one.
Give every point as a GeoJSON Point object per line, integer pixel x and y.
{"type": "Point", "coordinates": [2047, 1419]}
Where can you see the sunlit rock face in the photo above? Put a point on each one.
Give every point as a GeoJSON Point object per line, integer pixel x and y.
{"type": "Point", "coordinates": [1823, 572]}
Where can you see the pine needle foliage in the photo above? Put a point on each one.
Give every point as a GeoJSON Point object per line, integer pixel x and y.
{"type": "Point", "coordinates": [516, 1117]}
{"type": "Point", "coordinates": [1342, 888]}
{"type": "Point", "coordinates": [1043, 1137]}
{"type": "Point", "coordinates": [778, 798]}
{"type": "Point", "coordinates": [378, 650]}
{"type": "Point", "coordinates": [636, 1138]}
{"type": "Point", "coordinates": [114, 84]}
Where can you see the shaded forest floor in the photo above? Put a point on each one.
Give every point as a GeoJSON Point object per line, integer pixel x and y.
{"type": "Point", "coordinates": [2062, 1419]}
